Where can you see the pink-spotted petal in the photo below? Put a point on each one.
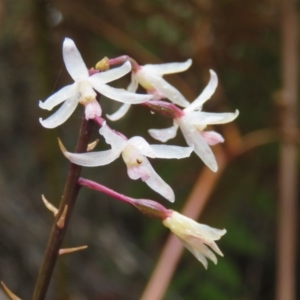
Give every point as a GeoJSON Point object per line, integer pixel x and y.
{"type": "Point", "coordinates": [206, 94]}
{"type": "Point", "coordinates": [59, 97]}
{"type": "Point", "coordinates": [62, 114]}
{"type": "Point", "coordinates": [164, 135]}
{"type": "Point", "coordinates": [112, 74]}
{"type": "Point", "coordinates": [73, 61]}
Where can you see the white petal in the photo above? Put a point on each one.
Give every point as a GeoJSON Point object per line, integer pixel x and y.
{"type": "Point", "coordinates": [132, 87]}
{"type": "Point", "coordinates": [121, 112]}
{"type": "Point", "coordinates": [206, 94]}
{"type": "Point", "coordinates": [197, 254]}
{"type": "Point", "coordinates": [168, 68]}
{"type": "Point", "coordinates": [59, 97]}
{"type": "Point", "coordinates": [166, 89]}
{"type": "Point", "coordinates": [212, 118]}
{"type": "Point", "coordinates": [164, 135]}
{"type": "Point", "coordinates": [167, 151]}
{"type": "Point", "coordinates": [62, 114]}
{"type": "Point", "coordinates": [200, 249]}
{"type": "Point", "coordinates": [112, 138]}
{"type": "Point", "coordinates": [112, 74]}
{"type": "Point", "coordinates": [142, 146]}
{"type": "Point", "coordinates": [93, 159]}
{"type": "Point", "coordinates": [73, 61]}
{"type": "Point", "coordinates": [156, 183]}
{"type": "Point", "coordinates": [194, 138]}
{"type": "Point", "coordinates": [119, 94]}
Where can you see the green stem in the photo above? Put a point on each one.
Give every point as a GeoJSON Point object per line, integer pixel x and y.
{"type": "Point", "coordinates": [67, 203]}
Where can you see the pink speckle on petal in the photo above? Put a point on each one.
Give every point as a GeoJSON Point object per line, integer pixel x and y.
{"type": "Point", "coordinates": [92, 110]}
{"type": "Point", "coordinates": [212, 138]}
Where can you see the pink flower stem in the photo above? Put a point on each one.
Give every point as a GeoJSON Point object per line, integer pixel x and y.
{"type": "Point", "coordinates": [149, 207]}
{"type": "Point", "coordinates": [164, 108]}
{"type": "Point", "coordinates": [99, 121]}
{"type": "Point", "coordinates": [122, 59]}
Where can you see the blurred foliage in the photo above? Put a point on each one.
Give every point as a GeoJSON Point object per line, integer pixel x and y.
{"type": "Point", "coordinates": [240, 41]}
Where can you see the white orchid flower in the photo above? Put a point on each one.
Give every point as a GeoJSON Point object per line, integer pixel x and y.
{"type": "Point", "coordinates": [150, 78]}
{"type": "Point", "coordinates": [193, 122]}
{"type": "Point", "coordinates": [134, 152]}
{"type": "Point", "coordinates": [82, 90]}
{"type": "Point", "coordinates": [197, 238]}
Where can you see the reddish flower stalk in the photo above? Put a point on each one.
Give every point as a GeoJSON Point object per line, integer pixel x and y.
{"type": "Point", "coordinates": [146, 206]}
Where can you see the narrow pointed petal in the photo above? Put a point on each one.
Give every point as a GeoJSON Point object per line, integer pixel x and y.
{"type": "Point", "coordinates": [119, 94]}
{"type": "Point", "coordinates": [196, 253]}
{"type": "Point", "coordinates": [212, 118]}
{"type": "Point", "coordinates": [206, 94]}
{"type": "Point", "coordinates": [112, 138]}
{"type": "Point", "coordinates": [164, 135]}
{"type": "Point", "coordinates": [120, 113]}
{"type": "Point", "coordinates": [201, 148]}
{"type": "Point", "coordinates": [133, 85]}
{"type": "Point", "coordinates": [59, 97]}
{"type": "Point", "coordinates": [112, 74]}
{"type": "Point", "coordinates": [166, 89]}
{"type": "Point", "coordinates": [167, 151]}
{"type": "Point", "coordinates": [73, 61]}
{"type": "Point", "coordinates": [93, 159]}
{"type": "Point", "coordinates": [212, 138]}
{"type": "Point", "coordinates": [62, 114]}
{"type": "Point", "coordinates": [156, 183]}
{"type": "Point", "coordinates": [168, 68]}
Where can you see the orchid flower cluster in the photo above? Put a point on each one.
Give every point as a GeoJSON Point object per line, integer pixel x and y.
{"type": "Point", "coordinates": [161, 97]}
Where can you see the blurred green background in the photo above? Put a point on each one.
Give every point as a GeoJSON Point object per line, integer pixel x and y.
{"type": "Point", "coordinates": [240, 40]}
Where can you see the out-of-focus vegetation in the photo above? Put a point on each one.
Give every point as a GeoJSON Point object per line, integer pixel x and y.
{"type": "Point", "coordinates": [240, 41]}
